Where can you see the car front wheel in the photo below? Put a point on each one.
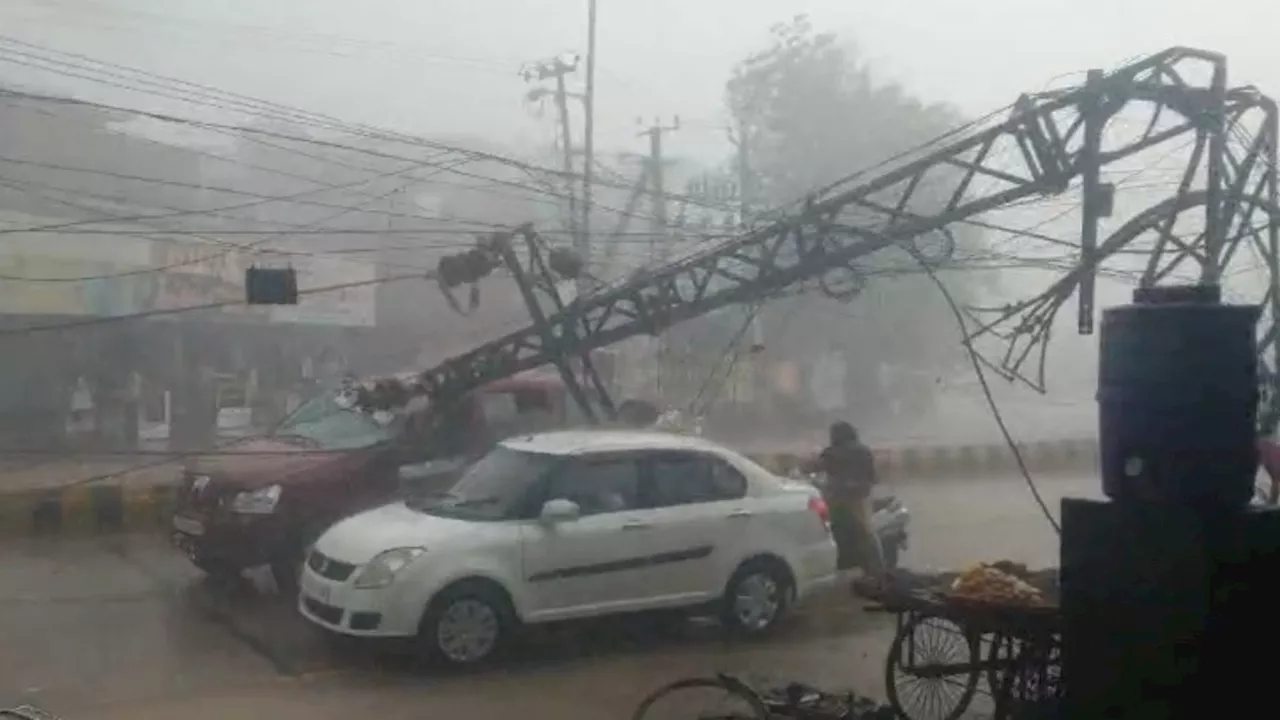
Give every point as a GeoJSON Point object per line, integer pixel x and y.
{"type": "Point", "coordinates": [467, 625]}
{"type": "Point", "coordinates": [757, 597]}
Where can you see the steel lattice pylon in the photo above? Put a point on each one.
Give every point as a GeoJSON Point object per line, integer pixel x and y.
{"type": "Point", "coordinates": [1055, 139]}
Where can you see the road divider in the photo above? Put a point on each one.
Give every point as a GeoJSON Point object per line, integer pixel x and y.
{"type": "Point", "coordinates": [79, 510]}
{"type": "Point", "coordinates": [961, 461]}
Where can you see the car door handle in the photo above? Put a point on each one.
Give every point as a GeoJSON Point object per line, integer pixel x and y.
{"type": "Point", "coordinates": [740, 514]}
{"type": "Point", "coordinates": [635, 525]}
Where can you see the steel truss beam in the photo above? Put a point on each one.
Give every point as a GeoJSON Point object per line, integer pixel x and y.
{"type": "Point", "coordinates": [1244, 212]}
{"type": "Point", "coordinates": [1046, 134]}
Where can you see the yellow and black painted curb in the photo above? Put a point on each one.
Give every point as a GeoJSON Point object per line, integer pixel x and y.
{"type": "Point", "coordinates": [115, 508]}
{"type": "Point", "coordinates": [959, 461]}
{"type": "Point", "coordinates": [98, 509]}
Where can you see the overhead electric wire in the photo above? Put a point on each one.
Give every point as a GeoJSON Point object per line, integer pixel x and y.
{"type": "Point", "coordinates": [260, 199]}
{"type": "Point", "coordinates": [158, 312]}
{"type": "Point", "coordinates": [975, 359]}
{"type": "Point", "coordinates": [253, 105]}
{"type": "Point", "coordinates": [253, 247]}
{"type": "Point", "coordinates": [535, 192]}
{"type": "Point", "coordinates": [732, 349]}
{"type": "Point", "coordinates": [215, 156]}
{"type": "Point", "coordinates": [518, 185]}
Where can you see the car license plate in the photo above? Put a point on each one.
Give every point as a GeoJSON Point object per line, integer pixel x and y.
{"type": "Point", "coordinates": [187, 525]}
{"type": "Point", "coordinates": [315, 589]}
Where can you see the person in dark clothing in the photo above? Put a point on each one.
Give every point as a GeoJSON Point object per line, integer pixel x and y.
{"type": "Point", "coordinates": [851, 473]}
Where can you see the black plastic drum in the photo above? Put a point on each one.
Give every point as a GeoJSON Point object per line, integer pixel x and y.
{"type": "Point", "coordinates": [1178, 398]}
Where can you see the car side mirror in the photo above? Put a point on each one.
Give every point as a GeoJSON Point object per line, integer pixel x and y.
{"type": "Point", "coordinates": [559, 510]}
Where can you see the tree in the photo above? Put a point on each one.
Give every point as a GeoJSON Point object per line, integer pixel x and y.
{"type": "Point", "coordinates": [809, 113]}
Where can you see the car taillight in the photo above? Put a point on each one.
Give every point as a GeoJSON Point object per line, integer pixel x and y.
{"type": "Point", "coordinates": [819, 507]}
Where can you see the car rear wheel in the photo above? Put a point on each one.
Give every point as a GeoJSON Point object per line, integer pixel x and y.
{"type": "Point", "coordinates": [467, 625]}
{"type": "Point", "coordinates": [757, 597]}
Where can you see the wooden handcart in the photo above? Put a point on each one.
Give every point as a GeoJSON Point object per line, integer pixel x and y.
{"type": "Point", "coordinates": [950, 653]}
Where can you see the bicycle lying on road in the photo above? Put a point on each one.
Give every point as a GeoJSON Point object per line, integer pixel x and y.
{"type": "Point", "coordinates": [26, 712]}
{"type": "Point", "coordinates": [740, 701]}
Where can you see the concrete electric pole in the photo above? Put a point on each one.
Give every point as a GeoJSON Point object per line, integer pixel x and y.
{"type": "Point", "coordinates": [658, 244]}
{"type": "Point", "coordinates": [661, 231]}
{"type": "Point", "coordinates": [583, 245]}
{"type": "Point", "coordinates": [556, 69]}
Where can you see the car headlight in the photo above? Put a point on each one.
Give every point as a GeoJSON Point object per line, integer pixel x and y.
{"type": "Point", "coordinates": [382, 569]}
{"type": "Point", "coordinates": [256, 502]}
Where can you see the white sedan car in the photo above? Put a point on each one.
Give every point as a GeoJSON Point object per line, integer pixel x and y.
{"type": "Point", "coordinates": [573, 524]}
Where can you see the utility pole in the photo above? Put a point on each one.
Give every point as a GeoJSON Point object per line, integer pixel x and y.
{"type": "Point", "coordinates": [658, 241]}
{"type": "Point", "coordinates": [749, 375]}
{"type": "Point", "coordinates": [583, 244]}
{"type": "Point", "coordinates": [745, 184]}
{"type": "Point", "coordinates": [556, 69]}
{"type": "Point", "coordinates": [657, 182]}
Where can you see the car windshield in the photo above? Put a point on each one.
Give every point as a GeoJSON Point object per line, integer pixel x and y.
{"type": "Point", "coordinates": [322, 422]}
{"type": "Point", "coordinates": [491, 489]}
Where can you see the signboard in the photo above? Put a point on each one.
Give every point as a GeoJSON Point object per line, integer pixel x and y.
{"type": "Point", "coordinates": [53, 263]}
{"type": "Point", "coordinates": [199, 274]}
{"type": "Point", "coordinates": [350, 306]}
{"type": "Point", "coordinates": [100, 296]}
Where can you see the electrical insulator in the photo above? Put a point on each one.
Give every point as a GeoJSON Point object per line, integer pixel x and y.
{"type": "Point", "coordinates": [465, 268]}
{"type": "Point", "coordinates": [451, 271]}
{"type": "Point", "coordinates": [565, 263]}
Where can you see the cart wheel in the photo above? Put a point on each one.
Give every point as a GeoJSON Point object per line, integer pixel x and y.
{"type": "Point", "coordinates": [702, 699]}
{"type": "Point", "coordinates": [917, 682]}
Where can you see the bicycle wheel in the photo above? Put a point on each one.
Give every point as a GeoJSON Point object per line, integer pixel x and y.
{"type": "Point", "coordinates": [702, 699]}
{"type": "Point", "coordinates": [918, 683]}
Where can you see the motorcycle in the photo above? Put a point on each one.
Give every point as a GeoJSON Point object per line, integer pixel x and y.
{"type": "Point", "coordinates": [890, 519]}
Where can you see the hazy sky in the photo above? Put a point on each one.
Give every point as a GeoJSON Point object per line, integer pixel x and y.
{"type": "Point", "coordinates": [450, 66]}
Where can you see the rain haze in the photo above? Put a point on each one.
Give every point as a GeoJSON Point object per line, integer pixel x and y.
{"type": "Point", "coordinates": [268, 265]}
{"type": "Point", "coordinates": [450, 70]}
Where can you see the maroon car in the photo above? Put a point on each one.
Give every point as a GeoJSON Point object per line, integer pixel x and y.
{"type": "Point", "coordinates": [265, 500]}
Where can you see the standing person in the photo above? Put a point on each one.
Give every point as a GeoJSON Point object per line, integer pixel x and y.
{"type": "Point", "coordinates": [851, 473]}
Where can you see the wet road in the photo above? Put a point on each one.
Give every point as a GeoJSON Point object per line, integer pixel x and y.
{"type": "Point", "coordinates": [124, 628]}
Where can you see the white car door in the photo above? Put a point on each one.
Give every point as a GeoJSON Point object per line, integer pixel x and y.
{"type": "Point", "coordinates": [592, 564]}
{"type": "Point", "coordinates": [702, 517]}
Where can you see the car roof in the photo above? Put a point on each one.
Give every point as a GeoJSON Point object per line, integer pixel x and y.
{"type": "Point", "coordinates": [578, 442]}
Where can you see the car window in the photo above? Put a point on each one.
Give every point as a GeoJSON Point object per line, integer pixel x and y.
{"type": "Point", "coordinates": [495, 488]}
{"type": "Point", "coordinates": [597, 486]}
{"type": "Point", "coordinates": [681, 479]}
{"type": "Point", "coordinates": [531, 400]}
{"type": "Point", "coordinates": [328, 425]}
